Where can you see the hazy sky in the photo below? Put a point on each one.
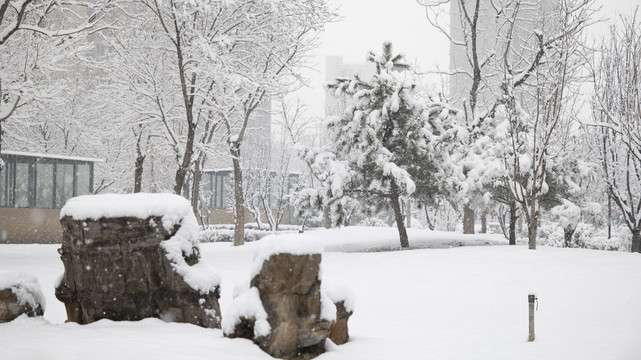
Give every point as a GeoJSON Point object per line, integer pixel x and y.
{"type": "Point", "coordinates": [366, 24]}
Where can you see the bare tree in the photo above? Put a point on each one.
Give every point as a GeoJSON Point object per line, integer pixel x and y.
{"type": "Point", "coordinates": [617, 108]}
{"type": "Point", "coordinates": [20, 20]}
{"type": "Point", "coordinates": [494, 41]}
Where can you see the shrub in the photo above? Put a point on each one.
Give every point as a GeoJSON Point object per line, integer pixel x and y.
{"type": "Point", "coordinates": [586, 236]}
{"type": "Point", "coordinates": [225, 232]}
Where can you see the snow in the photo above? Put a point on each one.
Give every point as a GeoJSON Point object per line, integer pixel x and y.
{"type": "Point", "coordinates": [247, 305]}
{"type": "Point", "coordinates": [24, 287]}
{"type": "Point", "coordinates": [568, 214]}
{"type": "Point", "coordinates": [328, 309]}
{"type": "Point", "coordinates": [172, 208]}
{"type": "Point", "coordinates": [281, 244]}
{"type": "Point", "coordinates": [337, 293]}
{"type": "Point", "coordinates": [50, 156]}
{"type": "Point", "coordinates": [465, 302]}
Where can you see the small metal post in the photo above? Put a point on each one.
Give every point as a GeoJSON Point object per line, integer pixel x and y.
{"type": "Point", "coordinates": [531, 299]}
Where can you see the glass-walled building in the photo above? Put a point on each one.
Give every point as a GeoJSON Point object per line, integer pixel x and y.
{"type": "Point", "coordinates": [216, 187]}
{"type": "Point", "coordinates": [43, 181]}
{"type": "Point", "coordinates": [217, 194]}
{"type": "Point", "coordinates": [33, 187]}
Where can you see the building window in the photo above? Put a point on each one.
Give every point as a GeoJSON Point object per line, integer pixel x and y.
{"type": "Point", "coordinates": [64, 184]}
{"type": "Point", "coordinates": [22, 185]}
{"type": "Point", "coordinates": [83, 177]}
{"type": "Point", "coordinates": [215, 187]}
{"type": "Point", "coordinates": [6, 185]}
{"type": "Point", "coordinates": [43, 181]}
{"type": "Point", "coordinates": [44, 186]}
{"type": "Point", "coordinates": [205, 190]}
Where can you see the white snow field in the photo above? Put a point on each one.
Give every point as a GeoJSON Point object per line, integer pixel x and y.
{"type": "Point", "coordinates": [464, 302]}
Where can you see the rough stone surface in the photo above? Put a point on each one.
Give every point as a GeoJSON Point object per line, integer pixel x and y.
{"type": "Point", "coordinates": [116, 269]}
{"type": "Point", "coordinates": [289, 290]}
{"type": "Point", "coordinates": [11, 308]}
{"type": "Point", "coordinates": [339, 333]}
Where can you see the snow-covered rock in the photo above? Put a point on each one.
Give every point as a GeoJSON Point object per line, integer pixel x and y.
{"type": "Point", "coordinates": [282, 309]}
{"type": "Point", "coordinates": [129, 257]}
{"type": "Point", "coordinates": [19, 294]}
{"type": "Point", "coordinates": [343, 300]}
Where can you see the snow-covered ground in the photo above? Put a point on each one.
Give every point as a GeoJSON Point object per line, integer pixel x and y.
{"type": "Point", "coordinates": [464, 302]}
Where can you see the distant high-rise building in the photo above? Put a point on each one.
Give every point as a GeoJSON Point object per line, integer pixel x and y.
{"type": "Point", "coordinates": [492, 31]}
{"type": "Point", "coordinates": [335, 68]}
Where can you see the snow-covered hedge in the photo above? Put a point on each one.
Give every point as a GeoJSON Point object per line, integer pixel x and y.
{"type": "Point", "coordinates": [225, 232]}
{"type": "Point", "coordinates": [586, 236]}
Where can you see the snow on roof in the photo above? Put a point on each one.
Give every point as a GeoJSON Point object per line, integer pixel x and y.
{"type": "Point", "coordinates": [173, 209]}
{"type": "Point", "coordinates": [51, 156]}
{"type": "Point", "coordinates": [218, 170]}
{"type": "Point", "coordinates": [24, 287]}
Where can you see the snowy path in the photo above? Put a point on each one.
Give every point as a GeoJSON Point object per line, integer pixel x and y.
{"type": "Point", "coordinates": [459, 303]}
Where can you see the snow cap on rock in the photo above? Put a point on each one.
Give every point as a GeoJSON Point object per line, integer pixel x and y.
{"type": "Point", "coordinates": [283, 244]}
{"type": "Point", "coordinates": [25, 287]}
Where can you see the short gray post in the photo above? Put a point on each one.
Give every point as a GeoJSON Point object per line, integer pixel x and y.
{"type": "Point", "coordinates": [530, 299]}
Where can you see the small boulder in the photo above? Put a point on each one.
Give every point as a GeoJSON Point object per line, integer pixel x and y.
{"type": "Point", "coordinates": [343, 299]}
{"type": "Point", "coordinates": [281, 309]}
{"type": "Point", "coordinates": [339, 333]}
{"type": "Point", "coordinates": [19, 294]}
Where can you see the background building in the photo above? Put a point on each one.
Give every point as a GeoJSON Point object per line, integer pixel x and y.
{"type": "Point", "coordinates": [33, 188]}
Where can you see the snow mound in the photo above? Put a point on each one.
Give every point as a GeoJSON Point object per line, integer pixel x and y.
{"type": "Point", "coordinates": [328, 309]}
{"type": "Point", "coordinates": [246, 305]}
{"type": "Point", "coordinates": [172, 208]}
{"type": "Point", "coordinates": [337, 293]}
{"type": "Point", "coordinates": [25, 287]}
{"type": "Point", "coordinates": [200, 276]}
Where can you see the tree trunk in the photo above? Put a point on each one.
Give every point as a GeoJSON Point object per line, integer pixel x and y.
{"type": "Point", "coordinates": [532, 229]}
{"type": "Point", "coordinates": [239, 209]}
{"type": "Point", "coordinates": [468, 220]}
{"type": "Point", "coordinates": [268, 213]}
{"type": "Point", "coordinates": [139, 166]}
{"type": "Point", "coordinates": [302, 225]}
{"type": "Point", "coordinates": [409, 213]}
{"type": "Point", "coordinates": [484, 223]}
{"type": "Point", "coordinates": [636, 241]}
{"type": "Point", "coordinates": [430, 224]}
{"type": "Point", "coordinates": [183, 169]}
{"type": "Point", "coordinates": [327, 220]}
{"type": "Point", "coordinates": [398, 215]}
{"type": "Point", "coordinates": [195, 192]}
{"type": "Point", "coordinates": [513, 223]}
{"type": "Point", "coordinates": [609, 215]}
{"type": "Point", "coordinates": [567, 237]}
{"type": "Point", "coordinates": [140, 160]}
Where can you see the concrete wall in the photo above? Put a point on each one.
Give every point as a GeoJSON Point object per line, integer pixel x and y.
{"type": "Point", "coordinates": [42, 226]}
{"type": "Point", "coordinates": [223, 216]}
{"type": "Point", "coordinates": [26, 226]}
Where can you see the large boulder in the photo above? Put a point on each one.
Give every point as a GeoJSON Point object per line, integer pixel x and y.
{"type": "Point", "coordinates": [19, 294]}
{"type": "Point", "coordinates": [135, 256]}
{"type": "Point", "coordinates": [282, 309]}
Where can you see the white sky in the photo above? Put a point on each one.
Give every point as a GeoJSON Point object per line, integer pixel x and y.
{"type": "Point", "coordinates": [366, 24]}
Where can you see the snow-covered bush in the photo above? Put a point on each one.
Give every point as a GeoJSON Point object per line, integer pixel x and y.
{"type": "Point", "coordinates": [586, 236]}
{"type": "Point", "coordinates": [373, 222]}
{"type": "Point", "coordinates": [225, 232]}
